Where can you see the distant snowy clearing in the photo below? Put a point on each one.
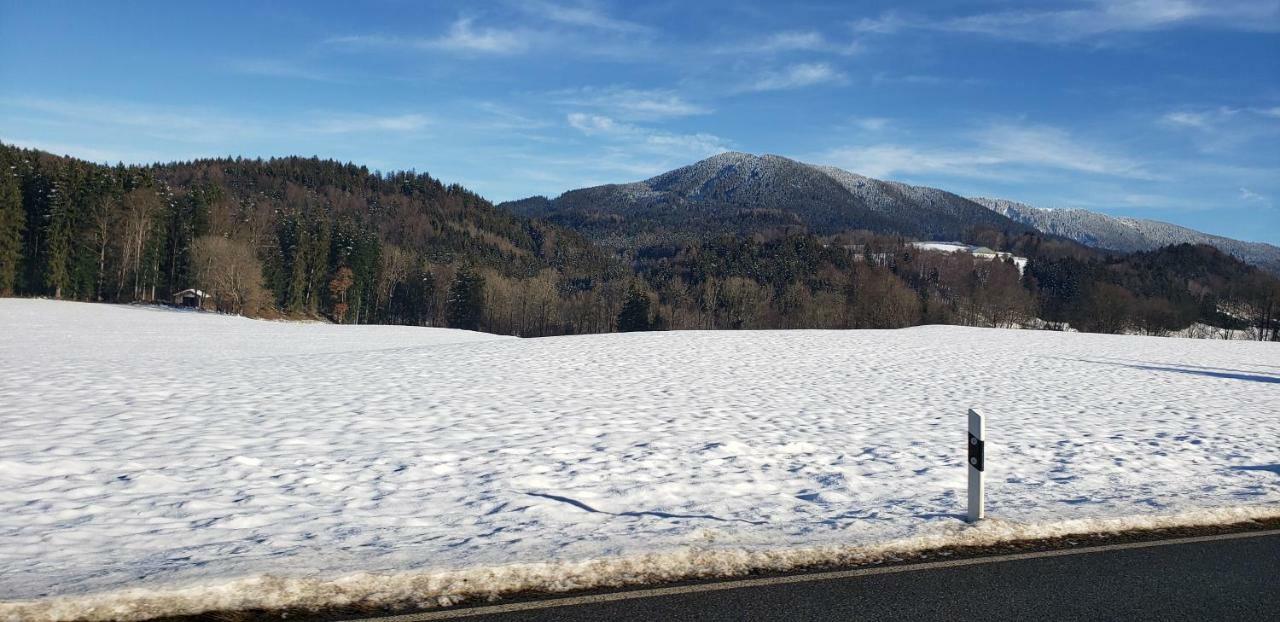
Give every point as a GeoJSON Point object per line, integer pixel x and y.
{"type": "Point", "coordinates": [164, 462]}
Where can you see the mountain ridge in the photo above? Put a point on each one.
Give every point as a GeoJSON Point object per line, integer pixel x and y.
{"type": "Point", "coordinates": [1127, 235]}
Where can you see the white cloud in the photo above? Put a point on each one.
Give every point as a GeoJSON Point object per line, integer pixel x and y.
{"type": "Point", "coordinates": [792, 41]}
{"type": "Point", "coordinates": [275, 68]}
{"type": "Point", "coordinates": [887, 160]}
{"type": "Point", "coordinates": [871, 124]}
{"type": "Point", "coordinates": [699, 145]}
{"type": "Point", "coordinates": [1094, 18]}
{"type": "Point", "coordinates": [996, 151]}
{"type": "Point", "coordinates": [1197, 120]}
{"type": "Point", "coordinates": [886, 24]}
{"type": "Point", "coordinates": [591, 124]}
{"type": "Point", "coordinates": [171, 123]}
{"type": "Point", "coordinates": [464, 37]}
{"type": "Point", "coordinates": [628, 103]}
{"type": "Point", "coordinates": [532, 25]}
{"type": "Point", "coordinates": [501, 117]}
{"type": "Point", "coordinates": [581, 15]}
{"type": "Point", "coordinates": [797, 76]}
{"type": "Point", "coordinates": [923, 80]}
{"type": "Point", "coordinates": [199, 125]}
{"type": "Point", "coordinates": [1254, 197]}
{"type": "Point", "coordinates": [1051, 147]}
{"type": "Point", "coordinates": [368, 123]}
{"type": "Point", "coordinates": [1202, 119]}
{"type": "Point", "coordinates": [647, 140]}
{"type": "Point", "coordinates": [1224, 130]}
{"type": "Point", "coordinates": [87, 152]}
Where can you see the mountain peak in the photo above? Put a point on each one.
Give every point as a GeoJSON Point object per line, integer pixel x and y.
{"type": "Point", "coordinates": [743, 193]}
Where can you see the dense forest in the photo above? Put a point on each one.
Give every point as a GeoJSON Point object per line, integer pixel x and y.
{"type": "Point", "coordinates": [308, 238]}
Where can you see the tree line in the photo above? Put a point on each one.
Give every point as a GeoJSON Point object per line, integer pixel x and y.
{"type": "Point", "coordinates": [303, 237]}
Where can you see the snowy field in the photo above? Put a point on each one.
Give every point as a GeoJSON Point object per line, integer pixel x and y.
{"type": "Point", "coordinates": [156, 461]}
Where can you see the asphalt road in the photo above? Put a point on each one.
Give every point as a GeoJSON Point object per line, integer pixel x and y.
{"type": "Point", "coordinates": [1234, 577]}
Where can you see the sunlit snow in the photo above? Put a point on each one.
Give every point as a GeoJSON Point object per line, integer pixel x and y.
{"type": "Point", "coordinates": [170, 452]}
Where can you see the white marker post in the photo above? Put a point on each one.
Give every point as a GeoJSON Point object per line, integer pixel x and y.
{"type": "Point", "coordinates": [977, 465]}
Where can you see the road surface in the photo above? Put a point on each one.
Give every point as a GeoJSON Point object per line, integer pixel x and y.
{"type": "Point", "coordinates": [1225, 577]}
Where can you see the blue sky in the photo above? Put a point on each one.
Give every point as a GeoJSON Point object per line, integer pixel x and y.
{"type": "Point", "coordinates": [1166, 109]}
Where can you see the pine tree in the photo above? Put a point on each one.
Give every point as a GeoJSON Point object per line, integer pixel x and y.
{"type": "Point", "coordinates": [58, 236]}
{"type": "Point", "coordinates": [466, 300]}
{"type": "Point", "coordinates": [634, 316]}
{"type": "Point", "coordinates": [12, 220]}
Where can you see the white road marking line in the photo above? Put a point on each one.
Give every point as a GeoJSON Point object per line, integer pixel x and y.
{"type": "Point", "coordinates": [452, 614]}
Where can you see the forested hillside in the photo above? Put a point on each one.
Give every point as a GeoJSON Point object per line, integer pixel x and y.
{"type": "Point", "coordinates": [294, 236]}
{"type": "Point", "coordinates": [299, 237]}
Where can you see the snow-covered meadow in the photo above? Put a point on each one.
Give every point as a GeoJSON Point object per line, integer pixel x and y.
{"type": "Point", "coordinates": [156, 461]}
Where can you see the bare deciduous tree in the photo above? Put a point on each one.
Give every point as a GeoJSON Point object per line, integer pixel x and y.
{"type": "Point", "coordinates": [229, 271]}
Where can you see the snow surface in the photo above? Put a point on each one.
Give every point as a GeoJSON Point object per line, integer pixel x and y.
{"type": "Point", "coordinates": [956, 247]}
{"type": "Point", "coordinates": [162, 462]}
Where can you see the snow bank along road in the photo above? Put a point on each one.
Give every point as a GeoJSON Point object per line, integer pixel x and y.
{"type": "Point", "coordinates": [1228, 577]}
{"type": "Point", "coordinates": [164, 462]}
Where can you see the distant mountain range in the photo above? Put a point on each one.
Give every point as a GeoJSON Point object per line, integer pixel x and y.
{"type": "Point", "coordinates": [741, 193]}
{"type": "Point", "coordinates": [1128, 234]}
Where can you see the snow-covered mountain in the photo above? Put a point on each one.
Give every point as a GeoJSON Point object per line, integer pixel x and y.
{"type": "Point", "coordinates": [744, 193]}
{"type": "Point", "coordinates": [741, 193]}
{"type": "Point", "coordinates": [1127, 234]}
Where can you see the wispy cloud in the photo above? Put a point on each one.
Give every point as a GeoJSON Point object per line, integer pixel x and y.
{"type": "Point", "coordinates": [86, 152]}
{"type": "Point", "coordinates": [995, 151]}
{"type": "Point", "coordinates": [502, 117]}
{"type": "Point", "coordinates": [462, 36]}
{"type": "Point", "coordinates": [1198, 120]}
{"type": "Point", "coordinates": [649, 140]}
{"type": "Point", "coordinates": [531, 26]}
{"type": "Point", "coordinates": [1041, 145]}
{"type": "Point", "coordinates": [629, 103]}
{"type": "Point", "coordinates": [592, 124]}
{"type": "Point", "coordinates": [791, 41]}
{"type": "Point", "coordinates": [276, 68]}
{"type": "Point", "coordinates": [886, 24]}
{"type": "Point", "coordinates": [1255, 198]}
{"type": "Point", "coordinates": [172, 123]}
{"type": "Point", "coordinates": [888, 160]}
{"type": "Point", "coordinates": [797, 76]}
{"type": "Point", "coordinates": [1206, 118]}
{"type": "Point", "coordinates": [580, 15]}
{"type": "Point", "coordinates": [1223, 130]}
{"type": "Point", "coordinates": [871, 124]}
{"type": "Point", "coordinates": [202, 125]}
{"type": "Point", "coordinates": [1092, 19]}
{"type": "Point", "coordinates": [343, 124]}
{"type": "Point", "coordinates": [925, 80]}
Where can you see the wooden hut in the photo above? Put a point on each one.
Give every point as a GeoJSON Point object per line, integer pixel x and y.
{"type": "Point", "coordinates": [193, 298]}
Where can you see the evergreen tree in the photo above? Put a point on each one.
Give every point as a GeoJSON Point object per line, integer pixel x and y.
{"type": "Point", "coordinates": [634, 316]}
{"type": "Point", "coordinates": [12, 220]}
{"type": "Point", "coordinates": [59, 237]}
{"type": "Point", "coordinates": [466, 300]}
